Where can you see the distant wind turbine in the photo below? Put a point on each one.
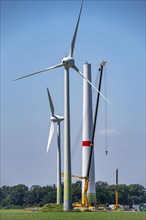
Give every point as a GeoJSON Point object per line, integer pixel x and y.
{"type": "Point", "coordinates": [67, 62]}
{"type": "Point", "coordinates": [56, 119]}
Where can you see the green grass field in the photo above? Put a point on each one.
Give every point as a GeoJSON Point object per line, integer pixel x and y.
{"type": "Point", "coordinates": [25, 215]}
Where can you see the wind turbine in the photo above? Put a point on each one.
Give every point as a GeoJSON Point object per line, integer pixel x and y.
{"type": "Point", "coordinates": [67, 62]}
{"type": "Point", "coordinates": [56, 119]}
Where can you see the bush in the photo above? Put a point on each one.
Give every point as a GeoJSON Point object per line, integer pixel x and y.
{"type": "Point", "coordinates": [51, 207]}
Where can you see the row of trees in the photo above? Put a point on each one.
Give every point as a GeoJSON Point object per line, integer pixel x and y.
{"type": "Point", "coordinates": [20, 196]}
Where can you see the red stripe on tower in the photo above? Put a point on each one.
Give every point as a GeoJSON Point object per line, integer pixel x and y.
{"type": "Point", "coordinates": [86, 143]}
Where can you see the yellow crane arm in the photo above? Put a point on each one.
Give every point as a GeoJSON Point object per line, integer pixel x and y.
{"type": "Point", "coordinates": [80, 177]}
{"type": "Point", "coordinates": [85, 200]}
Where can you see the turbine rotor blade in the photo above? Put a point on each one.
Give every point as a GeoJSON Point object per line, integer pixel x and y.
{"type": "Point", "coordinates": [50, 102]}
{"type": "Point", "coordinates": [50, 136]}
{"type": "Point", "coordinates": [75, 33]}
{"type": "Point", "coordinates": [50, 68]}
{"type": "Point", "coordinates": [76, 69]}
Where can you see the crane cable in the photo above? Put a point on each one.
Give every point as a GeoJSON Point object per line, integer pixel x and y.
{"type": "Point", "coordinates": [105, 92]}
{"type": "Point", "coordinates": [79, 134]}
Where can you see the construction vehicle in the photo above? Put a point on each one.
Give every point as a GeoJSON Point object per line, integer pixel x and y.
{"type": "Point", "coordinates": [85, 202]}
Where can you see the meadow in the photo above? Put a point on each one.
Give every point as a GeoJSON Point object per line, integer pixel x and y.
{"type": "Point", "coordinates": [100, 215]}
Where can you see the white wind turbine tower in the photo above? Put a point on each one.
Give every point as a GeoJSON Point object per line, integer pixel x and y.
{"type": "Point", "coordinates": [56, 119]}
{"type": "Point", "coordinates": [67, 62]}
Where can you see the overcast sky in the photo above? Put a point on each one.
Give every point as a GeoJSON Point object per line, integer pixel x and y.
{"type": "Point", "coordinates": [36, 35]}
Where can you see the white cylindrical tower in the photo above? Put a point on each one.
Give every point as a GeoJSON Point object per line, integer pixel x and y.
{"type": "Point", "coordinates": [59, 187]}
{"type": "Point", "coordinates": [87, 136]}
{"type": "Point", "coordinates": [67, 154]}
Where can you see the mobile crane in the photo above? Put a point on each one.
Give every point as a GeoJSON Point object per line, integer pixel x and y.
{"type": "Point", "coordinates": [85, 202]}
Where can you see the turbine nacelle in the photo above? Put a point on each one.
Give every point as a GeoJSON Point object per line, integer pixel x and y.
{"type": "Point", "coordinates": [56, 118]}
{"type": "Point", "coordinates": [68, 62]}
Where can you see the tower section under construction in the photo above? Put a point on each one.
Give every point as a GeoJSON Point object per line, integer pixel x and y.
{"type": "Point", "coordinates": [87, 136]}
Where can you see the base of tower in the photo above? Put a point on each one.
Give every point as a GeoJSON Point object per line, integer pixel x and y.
{"type": "Point", "coordinates": [91, 199]}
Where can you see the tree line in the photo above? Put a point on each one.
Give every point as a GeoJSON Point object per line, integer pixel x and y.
{"type": "Point", "coordinates": [20, 196]}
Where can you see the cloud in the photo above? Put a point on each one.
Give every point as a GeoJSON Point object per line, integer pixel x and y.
{"type": "Point", "coordinates": [110, 132]}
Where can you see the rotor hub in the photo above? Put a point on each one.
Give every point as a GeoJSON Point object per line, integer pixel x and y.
{"type": "Point", "coordinates": [68, 62]}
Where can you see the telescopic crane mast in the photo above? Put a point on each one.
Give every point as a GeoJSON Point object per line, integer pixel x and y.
{"type": "Point", "coordinates": [116, 205]}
